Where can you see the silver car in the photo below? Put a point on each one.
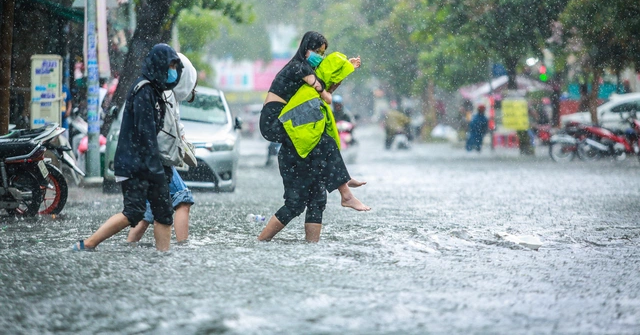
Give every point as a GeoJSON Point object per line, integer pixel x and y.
{"type": "Point", "coordinates": [208, 124]}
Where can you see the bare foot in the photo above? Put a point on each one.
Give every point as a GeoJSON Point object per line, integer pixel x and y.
{"type": "Point", "coordinates": [354, 183]}
{"type": "Point", "coordinates": [354, 203]}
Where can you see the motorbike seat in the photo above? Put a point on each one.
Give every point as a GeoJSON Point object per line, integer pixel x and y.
{"type": "Point", "coordinates": [11, 134]}
{"type": "Point", "coordinates": [16, 147]}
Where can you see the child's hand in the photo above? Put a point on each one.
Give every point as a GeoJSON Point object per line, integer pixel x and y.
{"type": "Point", "coordinates": [334, 87]}
{"type": "Point", "coordinates": [355, 62]}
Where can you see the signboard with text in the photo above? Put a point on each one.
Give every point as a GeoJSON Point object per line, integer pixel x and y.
{"type": "Point", "coordinates": [515, 114]}
{"type": "Point", "coordinates": [46, 89]}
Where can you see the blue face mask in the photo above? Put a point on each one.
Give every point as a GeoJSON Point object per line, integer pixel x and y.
{"type": "Point", "coordinates": [172, 76]}
{"type": "Point", "coordinates": [314, 59]}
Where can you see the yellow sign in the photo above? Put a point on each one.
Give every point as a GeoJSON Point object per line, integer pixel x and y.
{"type": "Point", "coordinates": [515, 114]}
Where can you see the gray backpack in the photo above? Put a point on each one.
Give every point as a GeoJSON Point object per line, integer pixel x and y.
{"type": "Point", "coordinates": [170, 142]}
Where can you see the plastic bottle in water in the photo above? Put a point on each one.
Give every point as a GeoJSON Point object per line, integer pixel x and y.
{"type": "Point", "coordinates": [255, 218]}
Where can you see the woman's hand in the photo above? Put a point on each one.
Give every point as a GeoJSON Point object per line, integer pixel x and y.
{"type": "Point", "coordinates": [355, 62]}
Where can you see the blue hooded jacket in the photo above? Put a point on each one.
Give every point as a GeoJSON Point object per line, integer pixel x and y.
{"type": "Point", "coordinates": [137, 154]}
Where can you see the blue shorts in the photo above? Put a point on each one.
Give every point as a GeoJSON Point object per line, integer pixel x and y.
{"type": "Point", "coordinates": [179, 192]}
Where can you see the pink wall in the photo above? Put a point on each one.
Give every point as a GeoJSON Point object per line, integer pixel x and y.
{"type": "Point", "coordinates": [263, 74]}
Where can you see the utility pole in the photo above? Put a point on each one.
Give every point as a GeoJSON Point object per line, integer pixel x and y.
{"type": "Point", "coordinates": [492, 110]}
{"type": "Point", "coordinates": [93, 96]}
{"type": "Point", "coordinates": [6, 38]}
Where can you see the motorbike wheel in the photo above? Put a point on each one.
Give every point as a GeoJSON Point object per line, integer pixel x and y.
{"type": "Point", "coordinates": [26, 182]}
{"type": "Point", "coordinates": [620, 156]}
{"type": "Point", "coordinates": [562, 152]}
{"type": "Point", "coordinates": [588, 153]}
{"type": "Point", "coordinates": [55, 196]}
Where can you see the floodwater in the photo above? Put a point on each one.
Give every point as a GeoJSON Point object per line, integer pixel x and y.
{"type": "Point", "coordinates": [426, 259]}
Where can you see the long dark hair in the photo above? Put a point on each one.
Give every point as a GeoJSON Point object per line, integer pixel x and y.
{"type": "Point", "coordinates": [311, 40]}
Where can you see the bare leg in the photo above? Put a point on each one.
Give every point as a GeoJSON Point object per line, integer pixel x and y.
{"type": "Point", "coordinates": [162, 233]}
{"type": "Point", "coordinates": [181, 222]}
{"type": "Point", "coordinates": [135, 233]}
{"type": "Point", "coordinates": [350, 200]}
{"type": "Point", "coordinates": [355, 183]}
{"type": "Point", "coordinates": [312, 232]}
{"type": "Point", "coordinates": [112, 226]}
{"type": "Point", "coordinates": [273, 227]}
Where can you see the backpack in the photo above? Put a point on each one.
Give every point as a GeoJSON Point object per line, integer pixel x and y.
{"type": "Point", "coordinates": [170, 143]}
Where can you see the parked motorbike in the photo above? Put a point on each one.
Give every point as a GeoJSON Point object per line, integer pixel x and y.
{"type": "Point", "coordinates": [543, 132]}
{"type": "Point", "coordinates": [563, 147]}
{"type": "Point", "coordinates": [24, 175]}
{"type": "Point", "coordinates": [601, 142]}
{"type": "Point", "coordinates": [56, 191]}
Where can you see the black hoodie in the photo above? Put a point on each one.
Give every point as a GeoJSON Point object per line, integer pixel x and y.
{"type": "Point", "coordinates": [137, 153]}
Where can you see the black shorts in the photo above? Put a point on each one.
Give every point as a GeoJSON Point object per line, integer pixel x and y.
{"type": "Point", "coordinates": [136, 192]}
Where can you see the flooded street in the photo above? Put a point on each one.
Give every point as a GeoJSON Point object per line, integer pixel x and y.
{"type": "Point", "coordinates": [426, 259]}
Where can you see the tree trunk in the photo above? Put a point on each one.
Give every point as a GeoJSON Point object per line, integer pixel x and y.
{"type": "Point", "coordinates": [6, 38]}
{"type": "Point", "coordinates": [592, 99]}
{"type": "Point", "coordinates": [151, 18]}
{"type": "Point", "coordinates": [512, 63]}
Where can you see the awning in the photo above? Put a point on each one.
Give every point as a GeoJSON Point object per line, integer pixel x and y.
{"type": "Point", "coordinates": [67, 13]}
{"type": "Point", "coordinates": [526, 84]}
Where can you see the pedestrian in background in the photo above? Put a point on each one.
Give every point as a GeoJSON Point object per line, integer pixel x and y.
{"type": "Point", "coordinates": [67, 99]}
{"type": "Point", "coordinates": [137, 161]}
{"type": "Point", "coordinates": [478, 127]}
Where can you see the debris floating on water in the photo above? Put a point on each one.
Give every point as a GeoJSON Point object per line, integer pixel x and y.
{"type": "Point", "coordinates": [532, 242]}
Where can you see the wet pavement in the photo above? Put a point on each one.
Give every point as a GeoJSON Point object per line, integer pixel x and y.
{"type": "Point", "coordinates": [426, 259]}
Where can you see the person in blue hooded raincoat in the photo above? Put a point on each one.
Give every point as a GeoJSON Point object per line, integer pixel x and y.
{"type": "Point", "coordinates": [137, 163]}
{"type": "Point", "coordinates": [478, 127]}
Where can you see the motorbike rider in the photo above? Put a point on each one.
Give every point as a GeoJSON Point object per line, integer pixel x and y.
{"type": "Point", "coordinates": [395, 122]}
{"type": "Point", "coordinates": [341, 113]}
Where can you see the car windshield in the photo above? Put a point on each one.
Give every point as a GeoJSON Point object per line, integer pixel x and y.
{"type": "Point", "coordinates": [205, 108]}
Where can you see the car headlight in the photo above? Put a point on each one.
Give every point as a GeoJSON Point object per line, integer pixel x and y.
{"type": "Point", "coordinates": [225, 145]}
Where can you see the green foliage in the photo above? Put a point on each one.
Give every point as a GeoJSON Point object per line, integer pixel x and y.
{"type": "Point", "coordinates": [196, 26]}
{"type": "Point", "coordinates": [200, 21]}
{"type": "Point", "coordinates": [503, 30]}
{"type": "Point", "coordinates": [607, 30]}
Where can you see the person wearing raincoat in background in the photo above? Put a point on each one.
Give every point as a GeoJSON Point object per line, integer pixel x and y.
{"type": "Point", "coordinates": [137, 163]}
{"type": "Point", "coordinates": [181, 196]}
{"type": "Point", "coordinates": [478, 127]}
{"type": "Point", "coordinates": [309, 159]}
{"type": "Point", "coordinates": [395, 122]}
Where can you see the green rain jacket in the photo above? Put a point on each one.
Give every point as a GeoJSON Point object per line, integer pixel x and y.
{"type": "Point", "coordinates": [306, 116]}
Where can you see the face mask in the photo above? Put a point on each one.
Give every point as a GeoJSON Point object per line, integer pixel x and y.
{"type": "Point", "coordinates": [172, 76]}
{"type": "Point", "coordinates": [314, 59]}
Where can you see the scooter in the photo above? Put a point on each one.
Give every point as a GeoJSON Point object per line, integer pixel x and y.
{"type": "Point", "coordinates": [347, 142]}
{"type": "Point", "coordinates": [24, 175]}
{"type": "Point", "coordinates": [601, 142]}
{"type": "Point", "coordinates": [563, 147]}
{"type": "Point", "coordinates": [56, 192]}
